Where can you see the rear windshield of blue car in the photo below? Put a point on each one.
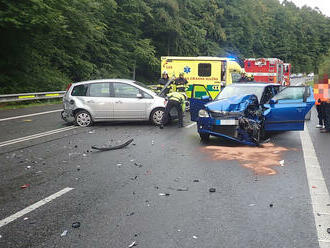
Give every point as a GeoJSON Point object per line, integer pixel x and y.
{"type": "Point", "coordinates": [231, 91]}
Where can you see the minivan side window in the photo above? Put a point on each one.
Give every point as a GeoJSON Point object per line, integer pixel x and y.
{"type": "Point", "coordinates": [99, 90]}
{"type": "Point", "coordinates": [125, 90]}
{"type": "Point", "coordinates": [79, 90]}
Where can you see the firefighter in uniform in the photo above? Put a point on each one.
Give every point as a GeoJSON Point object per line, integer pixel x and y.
{"type": "Point", "coordinates": [174, 100]}
{"type": "Point", "coordinates": [162, 81]}
{"type": "Point", "coordinates": [181, 83]}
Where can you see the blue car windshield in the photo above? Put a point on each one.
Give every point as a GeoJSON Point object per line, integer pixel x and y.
{"type": "Point", "coordinates": [240, 90]}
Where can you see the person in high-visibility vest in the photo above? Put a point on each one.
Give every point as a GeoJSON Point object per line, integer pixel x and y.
{"type": "Point", "coordinates": [181, 83]}
{"type": "Point", "coordinates": [162, 81]}
{"type": "Point", "coordinates": [322, 101]}
{"type": "Point", "coordinates": [174, 100]}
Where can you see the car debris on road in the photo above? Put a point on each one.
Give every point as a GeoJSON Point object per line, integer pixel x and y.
{"type": "Point", "coordinates": [132, 244]}
{"type": "Point", "coordinates": [76, 224]}
{"type": "Point", "coordinates": [64, 233]}
{"type": "Point", "coordinates": [113, 147]}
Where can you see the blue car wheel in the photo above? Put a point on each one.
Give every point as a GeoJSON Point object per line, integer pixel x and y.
{"type": "Point", "coordinates": [204, 137]}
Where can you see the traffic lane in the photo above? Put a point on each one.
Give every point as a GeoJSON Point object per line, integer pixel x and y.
{"type": "Point", "coordinates": [22, 127]}
{"type": "Point", "coordinates": [321, 142]}
{"type": "Point", "coordinates": [55, 167]}
{"type": "Point", "coordinates": [118, 204]}
{"type": "Point", "coordinates": [7, 113]}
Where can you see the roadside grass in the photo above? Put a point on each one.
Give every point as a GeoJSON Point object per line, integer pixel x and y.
{"type": "Point", "coordinates": [26, 104]}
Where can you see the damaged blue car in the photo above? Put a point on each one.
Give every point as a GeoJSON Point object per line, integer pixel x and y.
{"type": "Point", "coordinates": [245, 112]}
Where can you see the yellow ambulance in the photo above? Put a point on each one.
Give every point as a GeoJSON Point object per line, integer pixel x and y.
{"type": "Point", "coordinates": [211, 72]}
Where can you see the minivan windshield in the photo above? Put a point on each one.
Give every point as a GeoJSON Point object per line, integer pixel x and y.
{"type": "Point", "coordinates": [239, 90]}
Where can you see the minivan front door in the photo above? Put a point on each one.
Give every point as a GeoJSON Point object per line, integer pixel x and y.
{"type": "Point", "coordinates": [129, 102]}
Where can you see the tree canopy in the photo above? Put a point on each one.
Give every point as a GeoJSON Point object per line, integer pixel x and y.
{"type": "Point", "coordinates": [46, 44]}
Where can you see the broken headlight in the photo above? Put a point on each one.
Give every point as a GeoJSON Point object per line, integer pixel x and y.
{"type": "Point", "coordinates": [203, 113]}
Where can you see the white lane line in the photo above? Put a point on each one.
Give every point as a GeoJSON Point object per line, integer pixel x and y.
{"type": "Point", "coordinates": [191, 125]}
{"type": "Point", "coordinates": [29, 115]}
{"type": "Point", "coordinates": [35, 136]}
{"type": "Point", "coordinates": [33, 207]}
{"type": "Point", "coordinates": [318, 190]}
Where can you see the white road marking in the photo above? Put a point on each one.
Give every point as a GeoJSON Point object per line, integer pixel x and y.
{"type": "Point", "coordinates": [33, 207]}
{"type": "Point", "coordinates": [318, 190]}
{"type": "Point", "coordinates": [35, 136]}
{"type": "Point", "coordinates": [29, 115]}
{"type": "Point", "coordinates": [191, 125]}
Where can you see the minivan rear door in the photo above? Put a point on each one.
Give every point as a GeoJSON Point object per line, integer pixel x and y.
{"type": "Point", "coordinates": [99, 101]}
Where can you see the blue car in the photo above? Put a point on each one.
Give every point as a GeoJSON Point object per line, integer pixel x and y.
{"type": "Point", "coordinates": [245, 112]}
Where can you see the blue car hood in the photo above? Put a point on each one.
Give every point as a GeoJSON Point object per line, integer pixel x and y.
{"type": "Point", "coordinates": [231, 104]}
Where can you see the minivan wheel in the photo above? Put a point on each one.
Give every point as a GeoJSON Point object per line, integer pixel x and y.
{"type": "Point", "coordinates": [83, 119]}
{"type": "Point", "coordinates": [156, 116]}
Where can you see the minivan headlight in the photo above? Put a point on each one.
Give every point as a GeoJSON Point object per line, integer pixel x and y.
{"type": "Point", "coordinates": [203, 113]}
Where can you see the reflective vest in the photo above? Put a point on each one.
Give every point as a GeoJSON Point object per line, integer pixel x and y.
{"type": "Point", "coordinates": [175, 96]}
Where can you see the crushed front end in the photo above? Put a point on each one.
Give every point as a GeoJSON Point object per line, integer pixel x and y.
{"type": "Point", "coordinates": [238, 119]}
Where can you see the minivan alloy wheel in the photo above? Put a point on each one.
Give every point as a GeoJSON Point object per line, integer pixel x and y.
{"type": "Point", "coordinates": [157, 116]}
{"type": "Point", "coordinates": [83, 119]}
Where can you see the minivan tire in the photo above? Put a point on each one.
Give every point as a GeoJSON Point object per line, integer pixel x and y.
{"type": "Point", "coordinates": [83, 118]}
{"type": "Point", "coordinates": [156, 116]}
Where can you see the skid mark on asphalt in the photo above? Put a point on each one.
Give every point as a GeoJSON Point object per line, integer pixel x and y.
{"type": "Point", "coordinates": [259, 159]}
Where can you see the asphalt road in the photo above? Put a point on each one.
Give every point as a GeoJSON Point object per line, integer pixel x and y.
{"type": "Point", "coordinates": [117, 196]}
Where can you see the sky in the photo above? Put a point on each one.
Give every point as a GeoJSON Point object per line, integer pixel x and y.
{"type": "Point", "coordinates": [323, 5]}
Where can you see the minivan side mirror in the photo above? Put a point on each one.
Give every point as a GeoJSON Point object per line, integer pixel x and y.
{"type": "Point", "coordinates": [139, 95]}
{"type": "Point", "coordinates": [206, 98]}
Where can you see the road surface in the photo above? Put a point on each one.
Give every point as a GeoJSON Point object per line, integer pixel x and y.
{"type": "Point", "coordinates": [155, 192]}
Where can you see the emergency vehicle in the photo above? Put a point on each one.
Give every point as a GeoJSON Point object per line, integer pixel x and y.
{"type": "Point", "coordinates": [287, 73]}
{"type": "Point", "coordinates": [269, 70]}
{"type": "Point", "coordinates": [212, 72]}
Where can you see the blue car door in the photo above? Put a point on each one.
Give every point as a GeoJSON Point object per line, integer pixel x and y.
{"type": "Point", "coordinates": [286, 111]}
{"type": "Point", "coordinates": [199, 97]}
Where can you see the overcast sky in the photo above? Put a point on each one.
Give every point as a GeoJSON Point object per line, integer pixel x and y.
{"type": "Point", "coordinates": [323, 5]}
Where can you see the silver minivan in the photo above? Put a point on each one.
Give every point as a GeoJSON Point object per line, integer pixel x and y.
{"type": "Point", "coordinates": [111, 100]}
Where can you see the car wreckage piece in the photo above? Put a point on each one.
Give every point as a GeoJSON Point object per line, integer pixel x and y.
{"type": "Point", "coordinates": [244, 120]}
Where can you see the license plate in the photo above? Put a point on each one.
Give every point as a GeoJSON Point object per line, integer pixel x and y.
{"type": "Point", "coordinates": [226, 122]}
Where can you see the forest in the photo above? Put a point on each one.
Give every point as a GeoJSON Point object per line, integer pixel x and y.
{"type": "Point", "coordinates": [46, 44]}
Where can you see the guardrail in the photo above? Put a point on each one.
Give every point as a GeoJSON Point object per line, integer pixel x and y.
{"type": "Point", "coordinates": [31, 96]}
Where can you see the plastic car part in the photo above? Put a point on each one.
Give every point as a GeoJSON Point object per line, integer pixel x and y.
{"type": "Point", "coordinates": [113, 147]}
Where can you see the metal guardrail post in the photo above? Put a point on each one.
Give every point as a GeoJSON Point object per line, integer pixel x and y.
{"type": "Point", "coordinates": [31, 96]}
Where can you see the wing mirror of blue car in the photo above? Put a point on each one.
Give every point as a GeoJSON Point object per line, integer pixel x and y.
{"type": "Point", "coordinates": [139, 95]}
{"type": "Point", "coordinates": [206, 98]}
{"type": "Point", "coordinates": [273, 101]}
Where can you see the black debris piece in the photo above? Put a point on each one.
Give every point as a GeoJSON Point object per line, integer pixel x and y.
{"type": "Point", "coordinates": [212, 190]}
{"type": "Point", "coordinates": [130, 214]}
{"type": "Point", "coordinates": [113, 147]}
{"type": "Point", "coordinates": [328, 230]}
{"type": "Point", "coordinates": [76, 224]}
{"type": "Point", "coordinates": [138, 165]}
{"type": "Point", "coordinates": [75, 146]}
{"type": "Point", "coordinates": [196, 181]}
{"type": "Point", "coordinates": [182, 189]}
{"type": "Point", "coordinates": [271, 205]}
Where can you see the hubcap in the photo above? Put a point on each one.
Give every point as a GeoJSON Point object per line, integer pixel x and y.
{"type": "Point", "coordinates": [83, 119]}
{"type": "Point", "coordinates": [158, 116]}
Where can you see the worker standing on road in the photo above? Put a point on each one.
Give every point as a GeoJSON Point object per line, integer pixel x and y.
{"type": "Point", "coordinates": [322, 101]}
{"type": "Point", "coordinates": [174, 100]}
{"type": "Point", "coordinates": [181, 83]}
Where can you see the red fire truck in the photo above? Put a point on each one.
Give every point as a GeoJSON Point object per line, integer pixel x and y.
{"type": "Point", "coordinates": [269, 70]}
{"type": "Point", "coordinates": [287, 72]}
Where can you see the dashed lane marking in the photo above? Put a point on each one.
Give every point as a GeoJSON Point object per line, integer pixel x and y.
{"type": "Point", "coordinates": [34, 206]}
{"type": "Point", "coordinates": [318, 190]}
{"type": "Point", "coordinates": [35, 136]}
{"type": "Point", "coordinates": [29, 115]}
{"type": "Point", "coordinates": [191, 125]}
